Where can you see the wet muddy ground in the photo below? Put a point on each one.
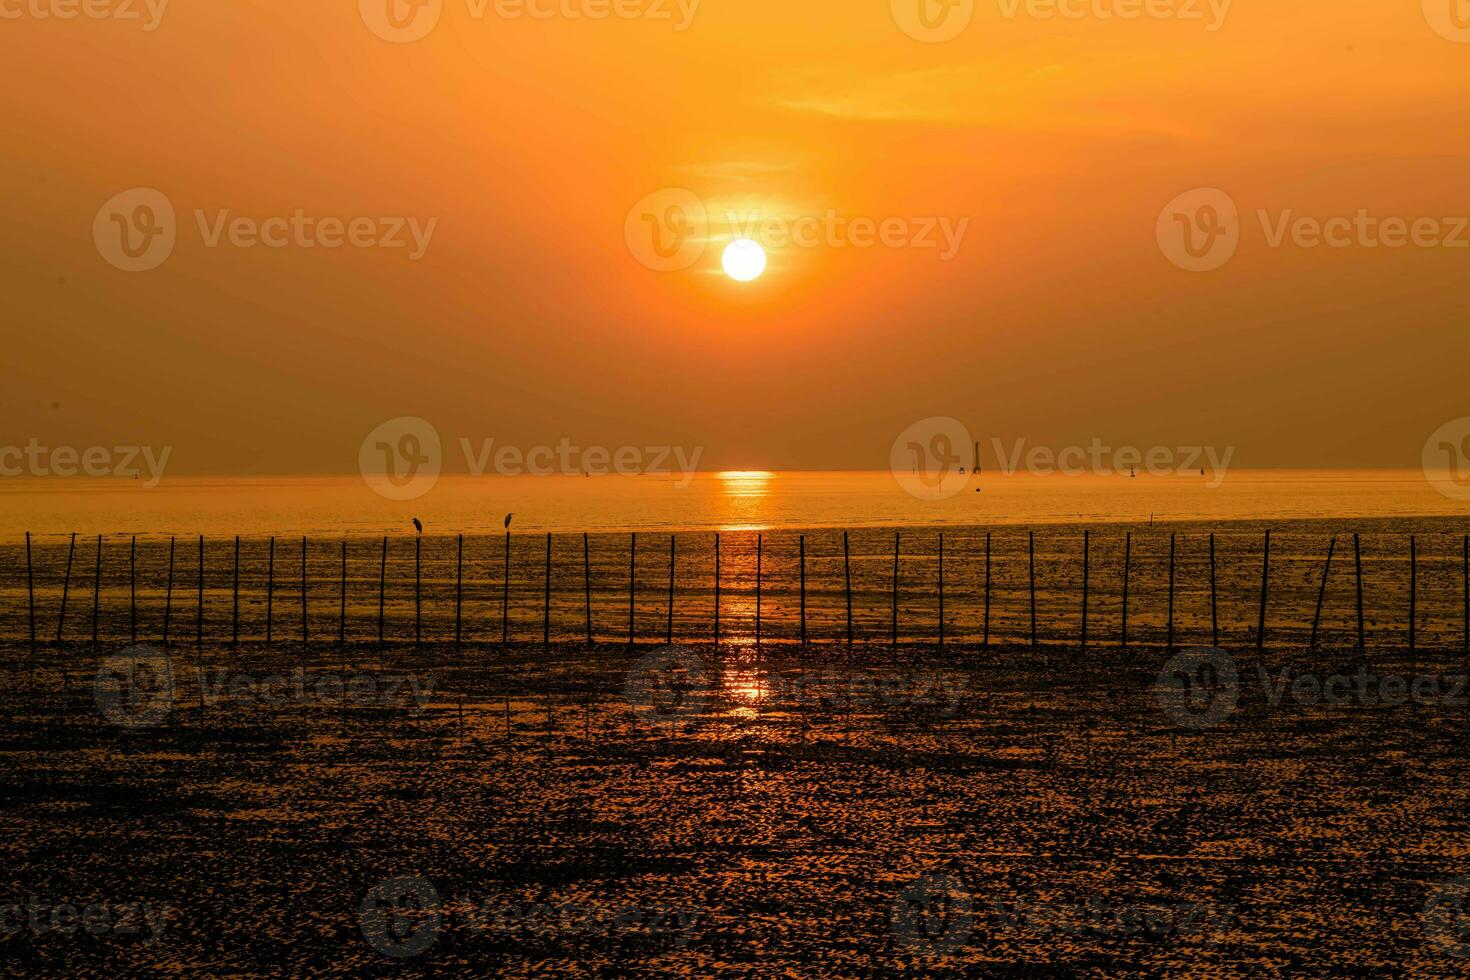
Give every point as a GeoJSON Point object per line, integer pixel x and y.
{"type": "Point", "coordinates": [470, 810]}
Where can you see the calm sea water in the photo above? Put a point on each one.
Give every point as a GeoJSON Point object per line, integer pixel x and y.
{"type": "Point", "coordinates": [249, 506]}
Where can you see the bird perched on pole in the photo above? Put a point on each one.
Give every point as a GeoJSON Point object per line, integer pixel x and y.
{"type": "Point", "coordinates": [418, 525]}
{"type": "Point", "coordinates": [507, 521]}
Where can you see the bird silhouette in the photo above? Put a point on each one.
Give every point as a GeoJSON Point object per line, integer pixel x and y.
{"type": "Point", "coordinates": [507, 521]}
{"type": "Point", "coordinates": [418, 525]}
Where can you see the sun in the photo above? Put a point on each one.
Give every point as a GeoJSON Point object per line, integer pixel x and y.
{"type": "Point", "coordinates": [744, 260]}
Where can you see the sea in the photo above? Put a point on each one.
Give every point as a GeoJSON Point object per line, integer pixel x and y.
{"type": "Point", "coordinates": [726, 501]}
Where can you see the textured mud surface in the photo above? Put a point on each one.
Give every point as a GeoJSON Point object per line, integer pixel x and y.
{"type": "Point", "coordinates": [1001, 810]}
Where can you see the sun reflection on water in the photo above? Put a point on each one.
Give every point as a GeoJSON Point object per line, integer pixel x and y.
{"type": "Point", "coordinates": [744, 493]}
{"type": "Point", "coordinates": [746, 483]}
{"type": "Point", "coordinates": [745, 689]}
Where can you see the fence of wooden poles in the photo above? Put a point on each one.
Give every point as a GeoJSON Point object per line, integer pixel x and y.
{"type": "Point", "coordinates": [295, 581]}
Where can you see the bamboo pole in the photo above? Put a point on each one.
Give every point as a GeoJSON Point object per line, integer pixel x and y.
{"type": "Point", "coordinates": [199, 630]}
{"type": "Point", "coordinates": [1172, 546]}
{"type": "Point", "coordinates": [342, 596]}
{"type": "Point", "coordinates": [1031, 560]}
{"type": "Point", "coordinates": [133, 591]}
{"type": "Point", "coordinates": [669, 634]}
{"type": "Point", "coordinates": [1127, 569]}
{"type": "Point", "coordinates": [1322, 593]}
{"type": "Point", "coordinates": [97, 592]}
{"type": "Point", "coordinates": [847, 580]}
{"type": "Point", "coordinates": [803, 590]}
{"type": "Point", "coordinates": [632, 584]}
{"type": "Point", "coordinates": [305, 592]}
{"type": "Point", "coordinates": [459, 593]}
{"type": "Point", "coordinates": [382, 591]}
{"type": "Point", "coordinates": [1413, 591]}
{"type": "Point", "coordinates": [31, 595]}
{"type": "Point", "coordinates": [505, 594]}
{"type": "Point", "coordinates": [65, 584]}
{"type": "Point", "coordinates": [235, 596]}
{"type": "Point", "coordinates": [168, 596]}
{"type": "Point", "coordinates": [986, 641]}
{"type": "Point", "coordinates": [1265, 591]}
{"type": "Point", "coordinates": [199, 617]}
{"type": "Point", "coordinates": [1358, 566]}
{"type": "Point", "coordinates": [759, 551]}
{"type": "Point", "coordinates": [896, 537]}
{"type": "Point", "coordinates": [941, 588]}
{"type": "Point", "coordinates": [546, 603]}
{"type": "Point", "coordinates": [1214, 614]}
{"type": "Point", "coordinates": [717, 590]}
{"type": "Point", "coordinates": [1465, 568]}
{"type": "Point", "coordinates": [587, 582]}
{"type": "Point", "coordinates": [418, 595]}
{"type": "Point", "coordinates": [270, 592]}
{"type": "Point", "coordinates": [1086, 565]}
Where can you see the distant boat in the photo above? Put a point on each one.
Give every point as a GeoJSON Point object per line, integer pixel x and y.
{"type": "Point", "coordinates": [1132, 473]}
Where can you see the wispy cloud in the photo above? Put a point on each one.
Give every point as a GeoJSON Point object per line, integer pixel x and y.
{"type": "Point", "coordinates": [1034, 97]}
{"type": "Point", "coordinates": [950, 93]}
{"type": "Point", "coordinates": [739, 171]}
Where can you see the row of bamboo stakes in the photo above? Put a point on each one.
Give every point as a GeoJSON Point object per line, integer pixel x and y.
{"type": "Point", "coordinates": [632, 579]}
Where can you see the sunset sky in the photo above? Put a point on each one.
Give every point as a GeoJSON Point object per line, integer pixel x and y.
{"type": "Point", "coordinates": [1055, 142]}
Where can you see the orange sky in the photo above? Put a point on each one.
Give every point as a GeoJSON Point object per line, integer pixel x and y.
{"type": "Point", "coordinates": [528, 318]}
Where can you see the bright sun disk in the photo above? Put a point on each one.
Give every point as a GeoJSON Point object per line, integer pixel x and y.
{"type": "Point", "coordinates": [744, 260]}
